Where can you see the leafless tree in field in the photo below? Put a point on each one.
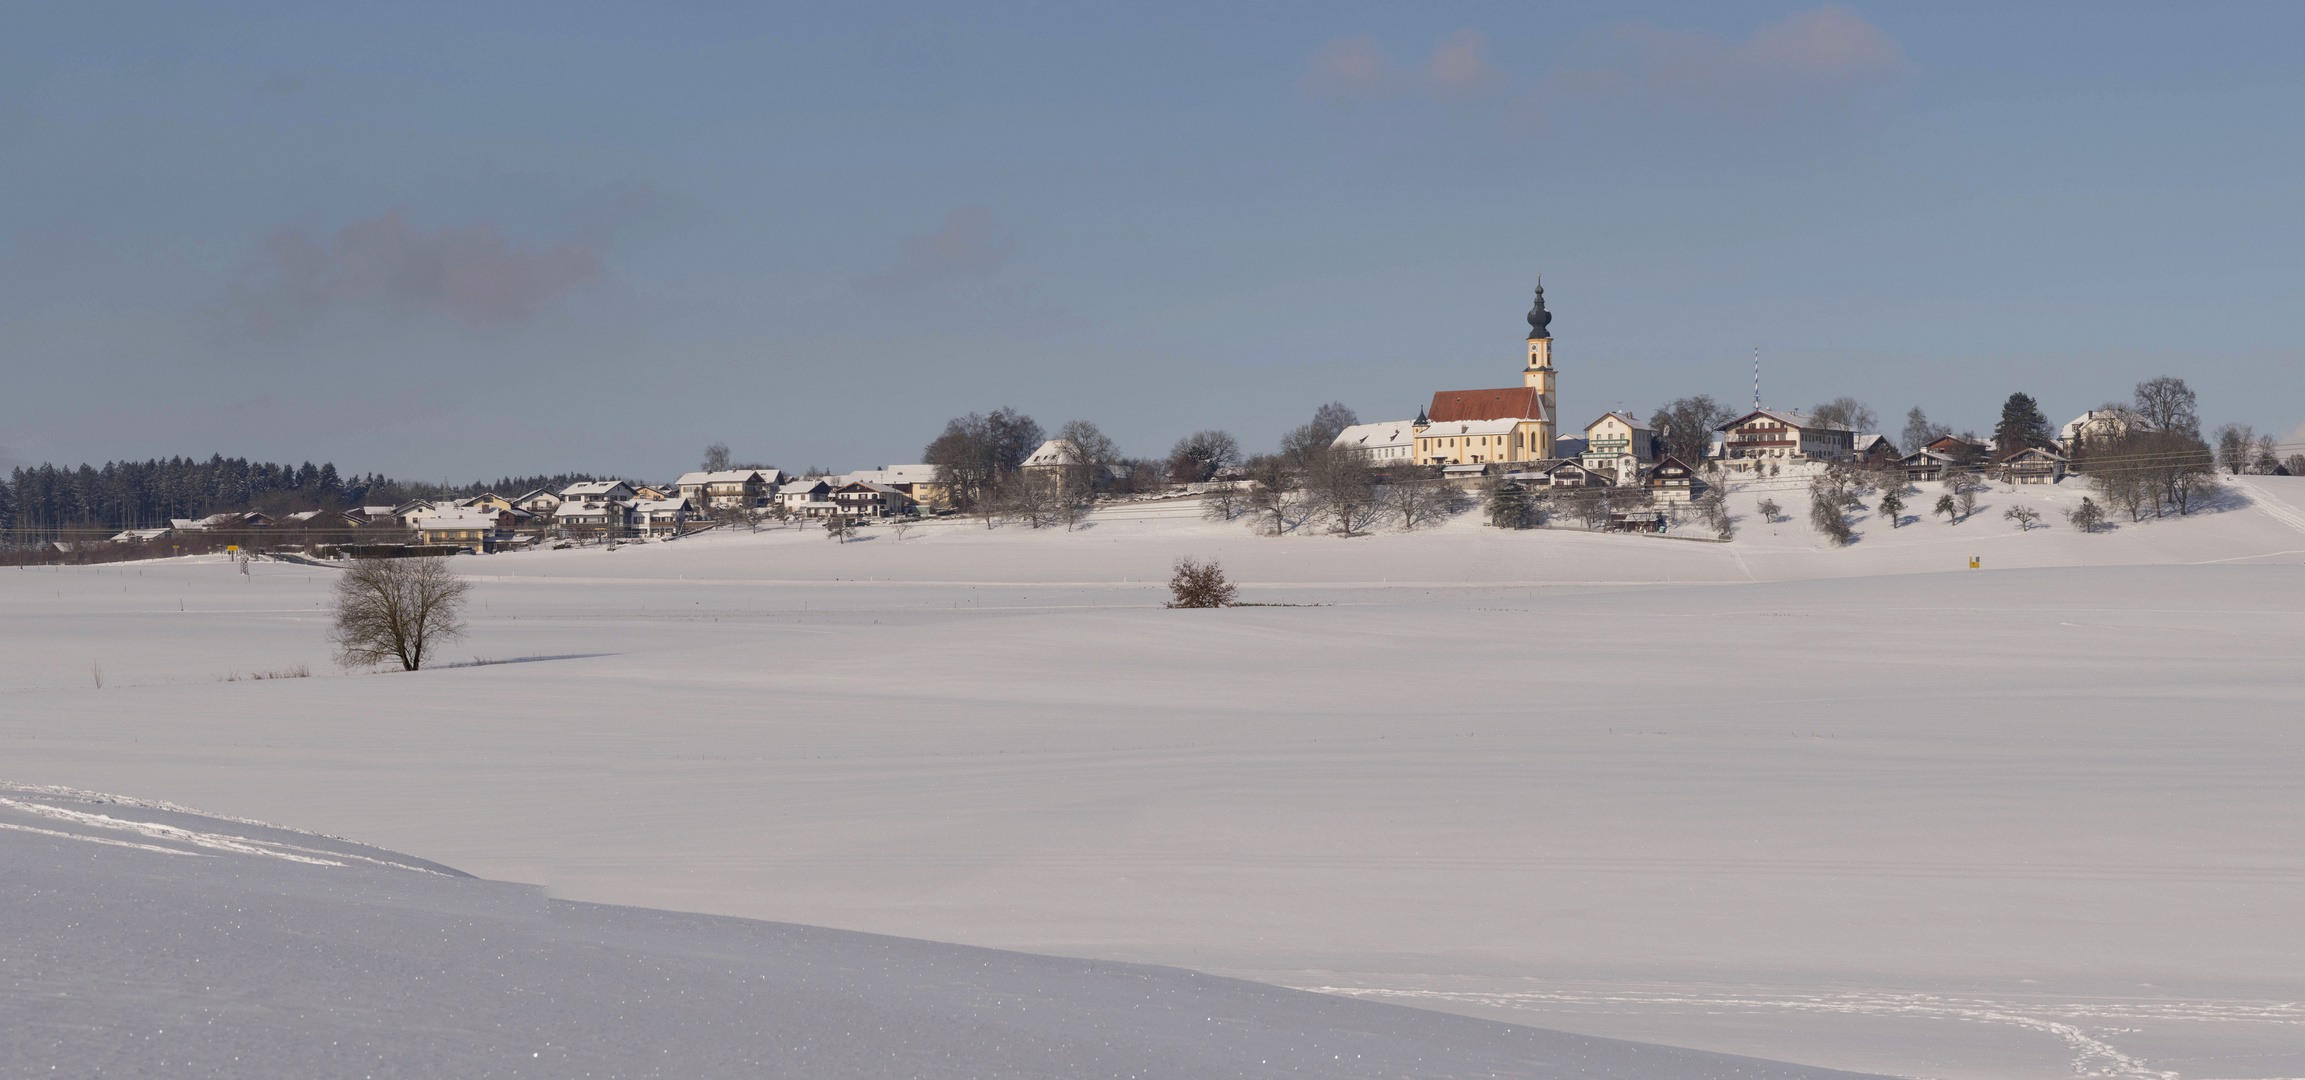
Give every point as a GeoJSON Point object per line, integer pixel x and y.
{"type": "Point", "coordinates": [396, 609]}
{"type": "Point", "coordinates": [2024, 516]}
{"type": "Point", "coordinates": [716, 457]}
{"type": "Point", "coordinates": [1200, 585]}
{"type": "Point", "coordinates": [1343, 486]}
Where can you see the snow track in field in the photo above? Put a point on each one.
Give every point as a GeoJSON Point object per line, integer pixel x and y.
{"type": "Point", "coordinates": [2273, 508]}
{"type": "Point", "coordinates": [2083, 1026]}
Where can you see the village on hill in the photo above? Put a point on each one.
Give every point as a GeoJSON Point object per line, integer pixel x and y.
{"type": "Point", "coordinates": [1499, 450]}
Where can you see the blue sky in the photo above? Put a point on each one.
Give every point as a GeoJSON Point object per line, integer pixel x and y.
{"type": "Point", "coordinates": [464, 240]}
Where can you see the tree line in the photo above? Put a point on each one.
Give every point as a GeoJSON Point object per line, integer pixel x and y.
{"type": "Point", "coordinates": [47, 502]}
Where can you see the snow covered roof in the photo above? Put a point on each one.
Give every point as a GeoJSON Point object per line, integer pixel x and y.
{"type": "Point", "coordinates": [457, 521]}
{"type": "Point", "coordinates": [803, 487]}
{"type": "Point", "coordinates": [1865, 443]}
{"type": "Point", "coordinates": [659, 506]}
{"type": "Point", "coordinates": [2104, 422]}
{"type": "Point", "coordinates": [894, 474]}
{"type": "Point", "coordinates": [1621, 417]}
{"type": "Point", "coordinates": [1051, 453]}
{"type": "Point", "coordinates": [1471, 428]}
{"type": "Point", "coordinates": [1373, 436]}
{"type": "Point", "coordinates": [727, 476]}
{"type": "Point", "coordinates": [1787, 417]}
{"type": "Point", "coordinates": [593, 489]}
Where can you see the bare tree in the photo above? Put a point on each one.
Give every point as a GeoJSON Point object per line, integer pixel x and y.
{"type": "Point", "coordinates": [716, 457]}
{"type": "Point", "coordinates": [2087, 516]}
{"type": "Point", "coordinates": [1275, 493]}
{"type": "Point", "coordinates": [2236, 448]}
{"type": "Point", "coordinates": [1417, 500]}
{"type": "Point", "coordinates": [1343, 486]}
{"type": "Point", "coordinates": [1199, 585]}
{"type": "Point", "coordinates": [1197, 457]}
{"type": "Point", "coordinates": [1686, 426]}
{"type": "Point", "coordinates": [1847, 412]}
{"type": "Point", "coordinates": [2024, 516]}
{"type": "Point", "coordinates": [1223, 502]}
{"type": "Point", "coordinates": [1963, 486]}
{"type": "Point", "coordinates": [2169, 404]}
{"type": "Point", "coordinates": [396, 609]}
{"type": "Point", "coordinates": [1919, 432]}
{"type": "Point", "coordinates": [1770, 511]}
{"type": "Point", "coordinates": [1825, 515]}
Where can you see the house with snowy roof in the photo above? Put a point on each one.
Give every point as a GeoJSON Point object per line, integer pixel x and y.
{"type": "Point", "coordinates": [1779, 436]}
{"type": "Point", "coordinates": [598, 491]}
{"type": "Point", "coordinates": [1391, 442]}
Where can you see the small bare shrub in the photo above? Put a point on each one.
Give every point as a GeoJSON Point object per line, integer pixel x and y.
{"type": "Point", "coordinates": [1200, 585]}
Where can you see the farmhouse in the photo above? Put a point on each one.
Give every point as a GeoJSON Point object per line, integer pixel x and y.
{"type": "Point", "coordinates": [1771, 436]}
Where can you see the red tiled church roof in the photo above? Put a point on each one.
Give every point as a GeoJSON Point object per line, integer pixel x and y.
{"type": "Point", "coordinates": [1518, 402]}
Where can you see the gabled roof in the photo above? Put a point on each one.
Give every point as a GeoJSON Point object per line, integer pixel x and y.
{"type": "Point", "coordinates": [539, 493]}
{"type": "Point", "coordinates": [1367, 436]}
{"type": "Point", "coordinates": [1671, 462]}
{"type": "Point", "coordinates": [661, 506]}
{"type": "Point", "coordinates": [862, 485]}
{"type": "Point", "coordinates": [803, 486]}
{"type": "Point", "coordinates": [1787, 417]}
{"type": "Point", "coordinates": [1516, 402]}
{"type": "Point", "coordinates": [727, 476]}
{"type": "Point", "coordinates": [1922, 457]}
{"type": "Point", "coordinates": [1051, 453]}
{"type": "Point", "coordinates": [2029, 451]}
{"type": "Point", "coordinates": [1865, 443]}
{"type": "Point", "coordinates": [1471, 428]}
{"type": "Point", "coordinates": [1625, 417]}
{"type": "Point", "coordinates": [592, 488]}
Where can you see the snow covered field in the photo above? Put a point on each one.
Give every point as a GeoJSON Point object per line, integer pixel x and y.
{"type": "Point", "coordinates": [1864, 808]}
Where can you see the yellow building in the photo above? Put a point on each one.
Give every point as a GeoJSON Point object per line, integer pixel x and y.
{"type": "Point", "coordinates": [1513, 423]}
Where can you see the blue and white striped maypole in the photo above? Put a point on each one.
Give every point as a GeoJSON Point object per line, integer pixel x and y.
{"type": "Point", "coordinates": [1756, 378]}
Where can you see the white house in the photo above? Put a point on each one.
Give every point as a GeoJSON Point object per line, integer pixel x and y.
{"type": "Point", "coordinates": [797, 494]}
{"type": "Point", "coordinates": [659, 517]}
{"type": "Point", "coordinates": [597, 491]}
{"type": "Point", "coordinates": [2101, 425]}
{"type": "Point", "coordinates": [1780, 435]}
{"type": "Point", "coordinates": [748, 488]}
{"type": "Point", "coordinates": [538, 501]}
{"type": "Point", "coordinates": [1385, 443]}
{"type": "Point", "coordinates": [470, 530]}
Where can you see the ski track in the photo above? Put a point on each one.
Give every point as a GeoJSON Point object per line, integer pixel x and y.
{"type": "Point", "coordinates": [238, 845]}
{"type": "Point", "coordinates": [2274, 508]}
{"type": "Point", "coordinates": [2094, 1057]}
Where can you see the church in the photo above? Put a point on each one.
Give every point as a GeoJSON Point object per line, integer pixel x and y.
{"type": "Point", "coordinates": [1510, 423]}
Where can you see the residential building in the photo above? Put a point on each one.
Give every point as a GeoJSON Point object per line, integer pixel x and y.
{"type": "Point", "coordinates": [2031, 465]}
{"type": "Point", "coordinates": [1620, 446]}
{"type": "Point", "coordinates": [660, 517]}
{"type": "Point", "coordinates": [487, 500]}
{"type": "Point", "coordinates": [918, 482]}
{"type": "Point", "coordinates": [1926, 465]}
{"type": "Point", "coordinates": [746, 488]}
{"type": "Point", "coordinates": [1876, 449]}
{"type": "Point", "coordinates": [863, 500]}
{"type": "Point", "coordinates": [1390, 443]}
{"type": "Point", "coordinates": [2100, 425]}
{"type": "Point", "coordinates": [593, 517]}
{"type": "Point", "coordinates": [538, 501]}
{"type": "Point", "coordinates": [1671, 481]}
{"type": "Point", "coordinates": [1773, 436]}
{"type": "Point", "coordinates": [472, 531]}
{"type": "Point", "coordinates": [598, 491]}
{"type": "Point", "coordinates": [799, 493]}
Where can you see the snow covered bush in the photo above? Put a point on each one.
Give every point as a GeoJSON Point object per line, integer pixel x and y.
{"type": "Point", "coordinates": [1199, 585]}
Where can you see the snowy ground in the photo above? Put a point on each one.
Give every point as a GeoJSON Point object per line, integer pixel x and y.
{"type": "Point", "coordinates": [147, 941]}
{"type": "Point", "coordinates": [1863, 808]}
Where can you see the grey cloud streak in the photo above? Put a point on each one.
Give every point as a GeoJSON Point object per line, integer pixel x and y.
{"type": "Point", "coordinates": [473, 275]}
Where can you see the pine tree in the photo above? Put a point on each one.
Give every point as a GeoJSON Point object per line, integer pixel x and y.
{"type": "Point", "coordinates": [1509, 506]}
{"type": "Point", "coordinates": [2022, 423]}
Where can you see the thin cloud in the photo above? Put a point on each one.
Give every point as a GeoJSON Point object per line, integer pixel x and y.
{"type": "Point", "coordinates": [473, 275]}
{"type": "Point", "coordinates": [971, 245]}
{"type": "Point", "coordinates": [1355, 70]}
{"type": "Point", "coordinates": [1824, 57]}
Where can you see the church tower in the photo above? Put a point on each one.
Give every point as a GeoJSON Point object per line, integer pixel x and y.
{"type": "Point", "coordinates": [1539, 373]}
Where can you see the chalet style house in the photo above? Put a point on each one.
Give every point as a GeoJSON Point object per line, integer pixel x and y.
{"type": "Point", "coordinates": [1773, 436]}
{"type": "Point", "coordinates": [1672, 482]}
{"type": "Point", "coordinates": [1513, 423]}
{"type": "Point", "coordinates": [2031, 465]}
{"type": "Point", "coordinates": [745, 488]}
